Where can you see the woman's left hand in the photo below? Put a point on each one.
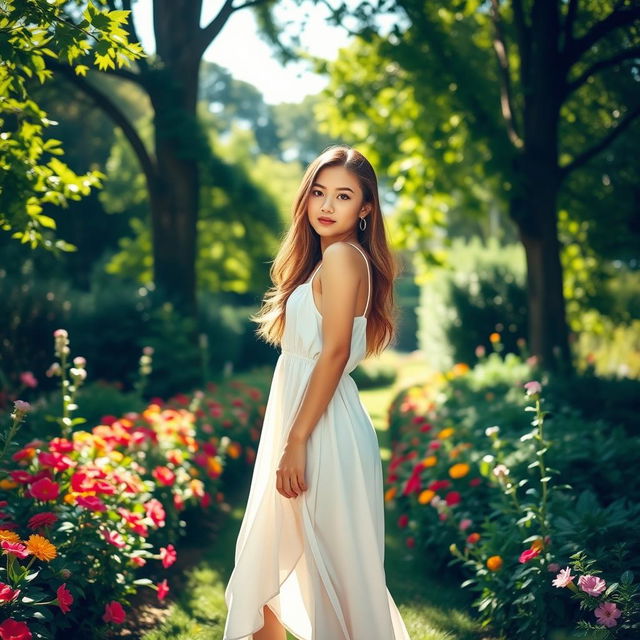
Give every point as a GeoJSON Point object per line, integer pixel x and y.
{"type": "Point", "coordinates": [290, 480]}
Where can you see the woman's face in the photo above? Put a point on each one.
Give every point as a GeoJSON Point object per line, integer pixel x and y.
{"type": "Point", "coordinates": [335, 200]}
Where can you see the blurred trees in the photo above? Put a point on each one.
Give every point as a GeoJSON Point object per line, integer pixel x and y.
{"type": "Point", "coordinates": [474, 102]}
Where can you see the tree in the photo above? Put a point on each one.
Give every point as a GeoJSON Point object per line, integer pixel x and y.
{"type": "Point", "coordinates": [172, 167]}
{"type": "Point", "coordinates": [31, 177]}
{"type": "Point", "coordinates": [514, 72]}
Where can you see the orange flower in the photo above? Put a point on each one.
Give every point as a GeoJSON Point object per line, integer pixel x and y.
{"type": "Point", "coordinates": [472, 538]}
{"type": "Point", "coordinates": [234, 450]}
{"type": "Point", "coordinates": [390, 494]}
{"type": "Point", "coordinates": [9, 536]}
{"type": "Point", "coordinates": [494, 337]}
{"type": "Point", "coordinates": [8, 483]}
{"type": "Point", "coordinates": [454, 453]}
{"type": "Point", "coordinates": [41, 548]}
{"type": "Point", "coordinates": [430, 461]}
{"type": "Point", "coordinates": [460, 369]}
{"type": "Point", "coordinates": [459, 470]}
{"type": "Point", "coordinates": [446, 433]}
{"type": "Point", "coordinates": [426, 496]}
{"type": "Point", "coordinates": [494, 563]}
{"type": "Point", "coordinates": [538, 544]}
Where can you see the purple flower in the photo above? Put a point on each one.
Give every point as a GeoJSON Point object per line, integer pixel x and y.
{"type": "Point", "coordinates": [607, 614]}
{"type": "Point", "coordinates": [592, 585]}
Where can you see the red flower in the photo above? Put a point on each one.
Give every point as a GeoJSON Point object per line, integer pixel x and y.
{"type": "Point", "coordinates": [205, 501]}
{"type": "Point", "coordinates": [65, 599]}
{"type": "Point", "coordinates": [411, 542]}
{"type": "Point", "coordinates": [93, 503]}
{"type": "Point", "coordinates": [168, 555]}
{"type": "Point", "coordinates": [45, 489]}
{"type": "Point", "coordinates": [138, 561]}
{"type": "Point", "coordinates": [23, 477]}
{"type": "Point", "coordinates": [474, 482]}
{"type": "Point", "coordinates": [164, 476]}
{"type": "Point", "coordinates": [113, 612]}
{"type": "Point", "coordinates": [13, 630]}
{"type": "Point", "coordinates": [57, 461]}
{"type": "Point", "coordinates": [163, 589]}
{"type": "Point", "coordinates": [472, 538]}
{"type": "Point", "coordinates": [452, 498]}
{"type": "Point", "coordinates": [61, 445]}
{"type": "Point", "coordinates": [436, 485]}
{"type": "Point", "coordinates": [403, 520]}
{"type": "Point", "coordinates": [527, 555]}
{"type": "Point", "coordinates": [43, 519]}
{"type": "Point", "coordinates": [426, 427]}
{"type": "Point", "coordinates": [7, 594]}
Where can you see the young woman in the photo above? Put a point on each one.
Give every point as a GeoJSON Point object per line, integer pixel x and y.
{"type": "Point", "coordinates": [309, 556]}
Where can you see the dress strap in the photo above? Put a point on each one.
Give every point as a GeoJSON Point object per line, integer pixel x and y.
{"type": "Point", "coordinates": [313, 275]}
{"type": "Point", "coordinates": [366, 306]}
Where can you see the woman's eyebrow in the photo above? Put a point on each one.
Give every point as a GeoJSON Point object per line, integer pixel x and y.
{"type": "Point", "coordinates": [317, 184]}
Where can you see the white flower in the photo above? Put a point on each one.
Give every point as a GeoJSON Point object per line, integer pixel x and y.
{"type": "Point", "coordinates": [492, 431]}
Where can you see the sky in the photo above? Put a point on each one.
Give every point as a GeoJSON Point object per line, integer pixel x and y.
{"type": "Point", "coordinates": [240, 49]}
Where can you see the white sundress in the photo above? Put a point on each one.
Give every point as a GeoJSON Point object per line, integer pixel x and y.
{"type": "Point", "coordinates": [317, 560]}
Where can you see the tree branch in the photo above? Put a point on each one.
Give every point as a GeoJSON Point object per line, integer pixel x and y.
{"type": "Point", "coordinates": [599, 66]}
{"type": "Point", "coordinates": [589, 153]}
{"type": "Point", "coordinates": [109, 107]}
{"type": "Point", "coordinates": [210, 32]}
{"type": "Point", "coordinates": [617, 18]}
{"type": "Point", "coordinates": [569, 21]}
{"type": "Point", "coordinates": [506, 97]}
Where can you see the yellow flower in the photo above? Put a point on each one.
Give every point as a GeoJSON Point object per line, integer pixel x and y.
{"type": "Point", "coordinates": [390, 494]}
{"type": "Point", "coordinates": [9, 536]}
{"type": "Point", "coordinates": [430, 461]}
{"type": "Point", "coordinates": [538, 544]}
{"type": "Point", "coordinates": [8, 483]}
{"type": "Point", "coordinates": [459, 470]}
{"type": "Point", "coordinates": [116, 456]}
{"type": "Point", "coordinates": [446, 433]}
{"type": "Point", "coordinates": [494, 563]}
{"type": "Point", "coordinates": [426, 496]}
{"type": "Point", "coordinates": [41, 548]}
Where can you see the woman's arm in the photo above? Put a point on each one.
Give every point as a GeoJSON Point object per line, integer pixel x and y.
{"type": "Point", "coordinates": [340, 277]}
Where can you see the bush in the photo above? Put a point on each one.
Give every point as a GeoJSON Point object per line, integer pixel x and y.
{"type": "Point", "coordinates": [84, 511]}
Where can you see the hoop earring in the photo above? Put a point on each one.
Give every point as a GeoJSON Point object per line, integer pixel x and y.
{"type": "Point", "coordinates": [362, 224]}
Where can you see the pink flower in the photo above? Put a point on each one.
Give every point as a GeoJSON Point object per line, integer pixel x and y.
{"type": "Point", "coordinates": [28, 379]}
{"type": "Point", "coordinates": [93, 503]}
{"type": "Point", "coordinates": [164, 476]}
{"type": "Point", "coordinates": [15, 549]}
{"type": "Point", "coordinates": [607, 614]}
{"type": "Point", "coordinates": [168, 555]}
{"type": "Point", "coordinates": [113, 612]}
{"type": "Point", "coordinates": [113, 537]}
{"type": "Point", "coordinates": [528, 554]}
{"type": "Point", "coordinates": [563, 578]}
{"type": "Point", "coordinates": [532, 387]}
{"type": "Point", "coordinates": [163, 589]}
{"type": "Point", "coordinates": [155, 511]}
{"type": "Point", "coordinates": [553, 567]}
{"type": "Point", "coordinates": [65, 599]}
{"type": "Point", "coordinates": [465, 523]}
{"type": "Point", "coordinates": [592, 585]}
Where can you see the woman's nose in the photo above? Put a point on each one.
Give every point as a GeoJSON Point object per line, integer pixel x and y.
{"type": "Point", "coordinates": [326, 205]}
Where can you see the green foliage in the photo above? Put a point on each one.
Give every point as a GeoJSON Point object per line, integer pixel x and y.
{"type": "Point", "coordinates": [370, 376]}
{"type": "Point", "coordinates": [481, 291]}
{"type": "Point", "coordinates": [31, 33]}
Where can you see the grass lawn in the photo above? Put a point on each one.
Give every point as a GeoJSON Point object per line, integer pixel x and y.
{"type": "Point", "coordinates": [432, 607]}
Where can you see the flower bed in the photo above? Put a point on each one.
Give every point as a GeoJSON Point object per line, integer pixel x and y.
{"type": "Point", "coordinates": [481, 489]}
{"type": "Point", "coordinates": [82, 513]}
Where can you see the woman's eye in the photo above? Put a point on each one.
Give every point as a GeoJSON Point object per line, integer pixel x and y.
{"type": "Point", "coordinates": [346, 197]}
{"type": "Point", "coordinates": [315, 192]}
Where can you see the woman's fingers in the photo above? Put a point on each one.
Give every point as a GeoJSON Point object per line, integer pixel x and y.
{"type": "Point", "coordinates": [290, 486]}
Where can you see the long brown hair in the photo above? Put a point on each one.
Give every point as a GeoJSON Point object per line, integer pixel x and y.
{"type": "Point", "coordinates": [300, 252]}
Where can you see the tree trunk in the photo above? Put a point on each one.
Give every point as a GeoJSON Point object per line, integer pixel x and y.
{"type": "Point", "coordinates": [534, 202]}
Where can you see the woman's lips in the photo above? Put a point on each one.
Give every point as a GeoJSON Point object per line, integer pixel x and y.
{"type": "Point", "coordinates": [325, 221]}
